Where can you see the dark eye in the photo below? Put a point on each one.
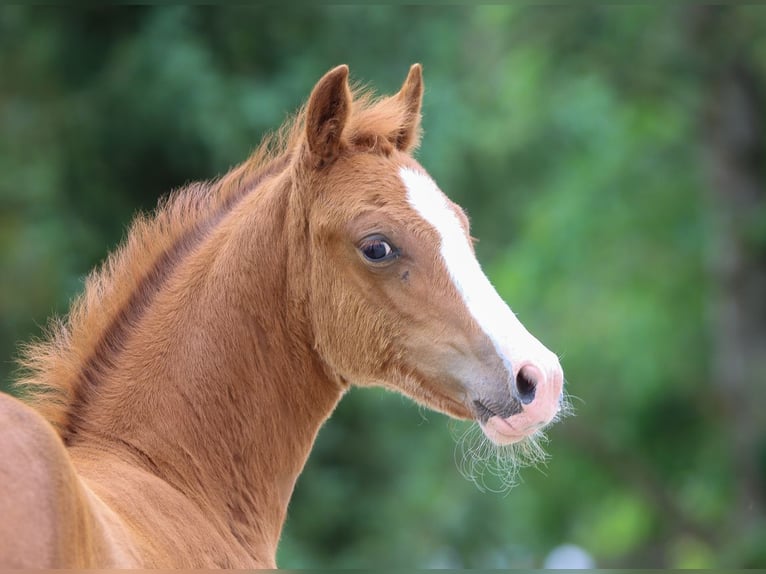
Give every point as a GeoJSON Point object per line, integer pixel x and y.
{"type": "Point", "coordinates": [377, 249]}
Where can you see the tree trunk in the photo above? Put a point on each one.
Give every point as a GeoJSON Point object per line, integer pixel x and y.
{"type": "Point", "coordinates": [732, 125]}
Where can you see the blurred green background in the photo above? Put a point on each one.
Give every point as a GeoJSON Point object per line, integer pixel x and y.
{"type": "Point", "coordinates": [612, 161]}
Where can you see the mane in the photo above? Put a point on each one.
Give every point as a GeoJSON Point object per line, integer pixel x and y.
{"type": "Point", "coordinates": [59, 372]}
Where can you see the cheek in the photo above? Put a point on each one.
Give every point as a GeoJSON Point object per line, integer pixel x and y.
{"type": "Point", "coordinates": [354, 327]}
{"type": "Point", "coordinates": [440, 340]}
{"type": "Point", "coordinates": [437, 327]}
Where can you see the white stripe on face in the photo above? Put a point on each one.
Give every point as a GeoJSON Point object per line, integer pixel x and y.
{"type": "Point", "coordinates": [512, 342]}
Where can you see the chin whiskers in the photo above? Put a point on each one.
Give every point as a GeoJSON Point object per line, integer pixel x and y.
{"type": "Point", "coordinates": [495, 468]}
{"type": "Point", "coordinates": [566, 408]}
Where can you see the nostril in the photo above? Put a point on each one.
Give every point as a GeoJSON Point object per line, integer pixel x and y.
{"type": "Point", "coordinates": [526, 384]}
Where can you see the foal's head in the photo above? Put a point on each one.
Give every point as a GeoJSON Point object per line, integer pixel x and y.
{"type": "Point", "coordinates": [397, 297]}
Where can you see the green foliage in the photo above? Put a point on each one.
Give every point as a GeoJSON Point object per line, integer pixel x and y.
{"type": "Point", "coordinates": [572, 138]}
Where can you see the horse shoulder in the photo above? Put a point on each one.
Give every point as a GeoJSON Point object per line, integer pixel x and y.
{"type": "Point", "coordinates": [167, 527]}
{"type": "Point", "coordinates": [48, 518]}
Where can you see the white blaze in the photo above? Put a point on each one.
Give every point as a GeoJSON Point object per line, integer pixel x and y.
{"type": "Point", "coordinates": [513, 343]}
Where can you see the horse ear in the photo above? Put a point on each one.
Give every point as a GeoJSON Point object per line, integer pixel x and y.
{"type": "Point", "coordinates": [411, 97]}
{"type": "Point", "coordinates": [326, 115]}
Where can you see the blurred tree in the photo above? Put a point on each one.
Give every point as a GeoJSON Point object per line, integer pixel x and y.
{"type": "Point", "coordinates": [733, 138]}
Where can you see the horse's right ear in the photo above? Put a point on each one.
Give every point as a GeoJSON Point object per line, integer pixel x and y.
{"type": "Point", "coordinates": [326, 115]}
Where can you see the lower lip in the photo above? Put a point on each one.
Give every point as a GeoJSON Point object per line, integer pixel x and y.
{"type": "Point", "coordinates": [502, 428]}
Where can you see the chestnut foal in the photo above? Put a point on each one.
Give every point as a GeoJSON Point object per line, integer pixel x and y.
{"type": "Point", "coordinates": [173, 410]}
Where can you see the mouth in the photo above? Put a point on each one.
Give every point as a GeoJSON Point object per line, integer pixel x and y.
{"type": "Point", "coordinates": [502, 429]}
{"type": "Point", "coordinates": [484, 410]}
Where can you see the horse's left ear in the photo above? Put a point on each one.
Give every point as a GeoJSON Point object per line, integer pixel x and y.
{"type": "Point", "coordinates": [411, 97]}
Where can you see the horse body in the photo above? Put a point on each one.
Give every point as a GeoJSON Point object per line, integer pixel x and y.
{"type": "Point", "coordinates": [50, 518]}
{"type": "Point", "coordinates": [209, 487]}
{"type": "Point", "coordinates": [97, 506]}
{"type": "Point", "coordinates": [184, 411]}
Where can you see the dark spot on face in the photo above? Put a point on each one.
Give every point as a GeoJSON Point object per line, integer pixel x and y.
{"type": "Point", "coordinates": [406, 275]}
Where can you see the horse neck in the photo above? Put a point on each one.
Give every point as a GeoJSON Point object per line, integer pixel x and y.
{"type": "Point", "coordinates": [218, 386]}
